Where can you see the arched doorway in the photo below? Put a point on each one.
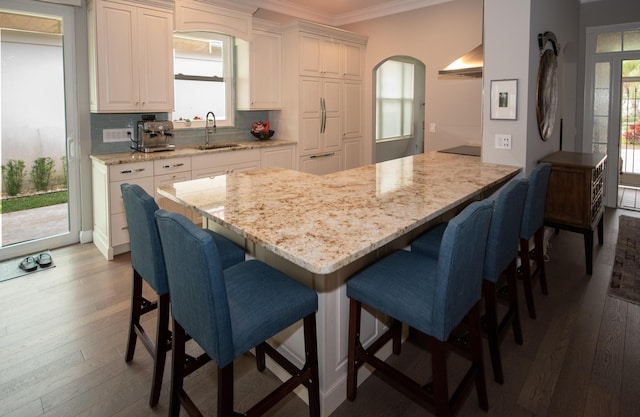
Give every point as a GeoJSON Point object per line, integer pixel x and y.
{"type": "Point", "coordinates": [399, 97]}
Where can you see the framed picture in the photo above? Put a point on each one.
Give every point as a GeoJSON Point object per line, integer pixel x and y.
{"type": "Point", "coordinates": [504, 99]}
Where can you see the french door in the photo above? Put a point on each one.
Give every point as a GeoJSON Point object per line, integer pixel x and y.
{"type": "Point", "coordinates": [38, 127]}
{"type": "Point", "coordinates": [611, 97]}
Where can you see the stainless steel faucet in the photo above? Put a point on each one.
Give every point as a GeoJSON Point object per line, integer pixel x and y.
{"type": "Point", "coordinates": [207, 130]}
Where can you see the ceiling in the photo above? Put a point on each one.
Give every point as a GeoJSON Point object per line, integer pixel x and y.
{"type": "Point", "coordinates": [338, 12]}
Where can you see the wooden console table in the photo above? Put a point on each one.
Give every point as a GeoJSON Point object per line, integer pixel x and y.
{"type": "Point", "coordinates": [575, 196]}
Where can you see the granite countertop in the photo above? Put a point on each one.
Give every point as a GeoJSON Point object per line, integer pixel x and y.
{"type": "Point", "coordinates": [181, 151]}
{"type": "Point", "coordinates": [323, 223]}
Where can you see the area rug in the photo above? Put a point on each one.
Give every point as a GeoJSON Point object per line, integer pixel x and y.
{"type": "Point", "coordinates": [11, 268]}
{"type": "Point", "coordinates": [625, 277]}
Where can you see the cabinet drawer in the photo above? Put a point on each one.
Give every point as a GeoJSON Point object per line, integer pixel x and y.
{"type": "Point", "coordinates": [116, 203]}
{"type": "Point", "coordinates": [222, 159]}
{"type": "Point", "coordinates": [119, 229]}
{"type": "Point", "coordinates": [130, 171]}
{"type": "Point", "coordinates": [168, 166]}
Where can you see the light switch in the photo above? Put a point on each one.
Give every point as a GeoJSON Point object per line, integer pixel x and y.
{"type": "Point", "coordinates": [432, 128]}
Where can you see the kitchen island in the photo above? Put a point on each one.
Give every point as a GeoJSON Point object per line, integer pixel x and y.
{"type": "Point", "coordinates": [322, 229]}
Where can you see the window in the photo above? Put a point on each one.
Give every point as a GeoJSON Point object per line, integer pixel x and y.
{"type": "Point", "coordinates": [203, 77]}
{"type": "Point", "coordinates": [394, 100]}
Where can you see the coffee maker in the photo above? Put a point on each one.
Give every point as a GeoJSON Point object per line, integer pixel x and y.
{"type": "Point", "coordinates": [153, 135]}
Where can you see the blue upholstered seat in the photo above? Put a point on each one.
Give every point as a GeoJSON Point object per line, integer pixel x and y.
{"type": "Point", "coordinates": [500, 257]}
{"type": "Point", "coordinates": [433, 296]}
{"type": "Point", "coordinates": [148, 264]}
{"type": "Point", "coordinates": [533, 227]}
{"type": "Point", "coordinates": [230, 311]}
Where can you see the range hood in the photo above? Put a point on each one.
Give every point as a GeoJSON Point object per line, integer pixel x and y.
{"type": "Point", "coordinates": [468, 65]}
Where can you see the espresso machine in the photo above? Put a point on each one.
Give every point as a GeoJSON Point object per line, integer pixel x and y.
{"type": "Point", "coordinates": [153, 135]}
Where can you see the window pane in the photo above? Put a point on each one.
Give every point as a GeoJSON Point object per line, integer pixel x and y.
{"type": "Point", "coordinates": [632, 40]}
{"type": "Point", "coordinates": [600, 129]}
{"type": "Point", "coordinates": [195, 98]}
{"type": "Point", "coordinates": [394, 101]}
{"type": "Point", "coordinates": [609, 42]}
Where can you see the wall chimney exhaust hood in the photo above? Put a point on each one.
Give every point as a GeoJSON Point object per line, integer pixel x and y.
{"type": "Point", "coordinates": [469, 65]}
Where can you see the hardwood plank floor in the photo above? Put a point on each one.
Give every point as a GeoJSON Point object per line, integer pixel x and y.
{"type": "Point", "coordinates": [63, 333]}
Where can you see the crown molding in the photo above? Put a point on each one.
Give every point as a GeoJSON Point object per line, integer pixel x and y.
{"type": "Point", "coordinates": [289, 7]}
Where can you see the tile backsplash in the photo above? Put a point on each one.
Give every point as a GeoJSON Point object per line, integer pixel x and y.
{"type": "Point", "coordinates": [187, 136]}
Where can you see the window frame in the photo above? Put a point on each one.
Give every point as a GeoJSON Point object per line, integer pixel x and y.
{"type": "Point", "coordinates": [228, 77]}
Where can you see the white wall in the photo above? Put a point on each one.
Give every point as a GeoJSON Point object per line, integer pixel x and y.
{"type": "Point", "coordinates": [511, 52]}
{"type": "Point", "coordinates": [436, 36]}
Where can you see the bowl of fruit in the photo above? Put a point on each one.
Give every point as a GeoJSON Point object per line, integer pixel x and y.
{"type": "Point", "coordinates": [261, 130]}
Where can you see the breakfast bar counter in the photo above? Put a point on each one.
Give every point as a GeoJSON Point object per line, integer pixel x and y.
{"type": "Point", "coordinates": [322, 229]}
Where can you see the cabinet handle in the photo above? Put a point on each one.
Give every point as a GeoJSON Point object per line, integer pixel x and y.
{"type": "Point", "coordinates": [125, 228]}
{"type": "Point", "coordinates": [127, 171]}
{"type": "Point", "coordinates": [173, 166]}
{"type": "Point", "coordinates": [324, 155]}
{"type": "Point", "coordinates": [140, 169]}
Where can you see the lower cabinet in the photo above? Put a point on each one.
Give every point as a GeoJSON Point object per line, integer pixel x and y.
{"type": "Point", "coordinates": [168, 171]}
{"type": "Point", "coordinates": [110, 232]}
{"type": "Point", "coordinates": [321, 164]}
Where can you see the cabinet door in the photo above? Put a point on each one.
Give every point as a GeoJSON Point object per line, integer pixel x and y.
{"type": "Point", "coordinates": [155, 54]}
{"type": "Point", "coordinates": [352, 109]}
{"type": "Point", "coordinates": [319, 56]}
{"type": "Point", "coordinates": [117, 54]}
{"type": "Point", "coordinates": [352, 153]}
{"type": "Point", "coordinates": [282, 156]}
{"type": "Point", "coordinates": [266, 71]}
{"type": "Point", "coordinates": [310, 96]}
{"type": "Point", "coordinates": [352, 60]}
{"type": "Point", "coordinates": [332, 134]}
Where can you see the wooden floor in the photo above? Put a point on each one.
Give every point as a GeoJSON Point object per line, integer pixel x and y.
{"type": "Point", "coordinates": [62, 337]}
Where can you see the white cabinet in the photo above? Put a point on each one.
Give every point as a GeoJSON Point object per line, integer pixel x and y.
{"type": "Point", "coordinates": [280, 156]}
{"type": "Point", "coordinates": [322, 94]}
{"type": "Point", "coordinates": [131, 57]}
{"type": "Point", "coordinates": [224, 162]}
{"type": "Point", "coordinates": [319, 56]}
{"type": "Point", "coordinates": [110, 232]}
{"type": "Point", "coordinates": [320, 115]}
{"type": "Point", "coordinates": [259, 71]}
{"type": "Point", "coordinates": [169, 171]}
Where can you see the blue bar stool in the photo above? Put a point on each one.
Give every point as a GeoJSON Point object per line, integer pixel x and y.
{"type": "Point", "coordinates": [228, 312]}
{"type": "Point", "coordinates": [533, 227]}
{"type": "Point", "coordinates": [433, 296]}
{"type": "Point", "coordinates": [501, 256]}
{"type": "Point", "coordinates": [148, 265]}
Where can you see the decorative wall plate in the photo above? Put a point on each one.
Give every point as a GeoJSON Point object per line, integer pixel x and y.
{"type": "Point", "coordinates": [547, 85]}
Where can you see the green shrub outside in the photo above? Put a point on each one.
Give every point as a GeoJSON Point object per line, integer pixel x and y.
{"type": "Point", "coordinates": [41, 173]}
{"type": "Point", "coordinates": [13, 175]}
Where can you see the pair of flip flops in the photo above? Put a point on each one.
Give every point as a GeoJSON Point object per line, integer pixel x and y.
{"type": "Point", "coordinates": [31, 263]}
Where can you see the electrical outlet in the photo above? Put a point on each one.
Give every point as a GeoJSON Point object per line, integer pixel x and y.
{"type": "Point", "coordinates": [116, 135]}
{"type": "Point", "coordinates": [503, 141]}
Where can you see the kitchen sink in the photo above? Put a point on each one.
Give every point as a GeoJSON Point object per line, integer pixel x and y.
{"type": "Point", "coordinates": [217, 146]}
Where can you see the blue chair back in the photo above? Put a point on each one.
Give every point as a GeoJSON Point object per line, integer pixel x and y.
{"type": "Point", "coordinates": [504, 232]}
{"type": "Point", "coordinates": [459, 282]}
{"type": "Point", "coordinates": [196, 283]}
{"type": "Point", "coordinates": [533, 215]}
{"type": "Point", "coordinates": [146, 250]}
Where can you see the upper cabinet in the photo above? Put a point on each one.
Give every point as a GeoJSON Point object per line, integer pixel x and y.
{"type": "Point", "coordinates": [326, 52]}
{"type": "Point", "coordinates": [259, 69]}
{"type": "Point", "coordinates": [231, 18]}
{"type": "Point", "coordinates": [131, 56]}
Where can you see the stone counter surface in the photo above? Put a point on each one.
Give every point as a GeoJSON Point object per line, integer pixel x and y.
{"type": "Point", "coordinates": [181, 151]}
{"type": "Point", "coordinates": [323, 223]}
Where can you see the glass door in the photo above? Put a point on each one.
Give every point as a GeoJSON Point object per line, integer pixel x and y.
{"type": "Point", "coordinates": [37, 128]}
{"type": "Point", "coordinates": [612, 82]}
